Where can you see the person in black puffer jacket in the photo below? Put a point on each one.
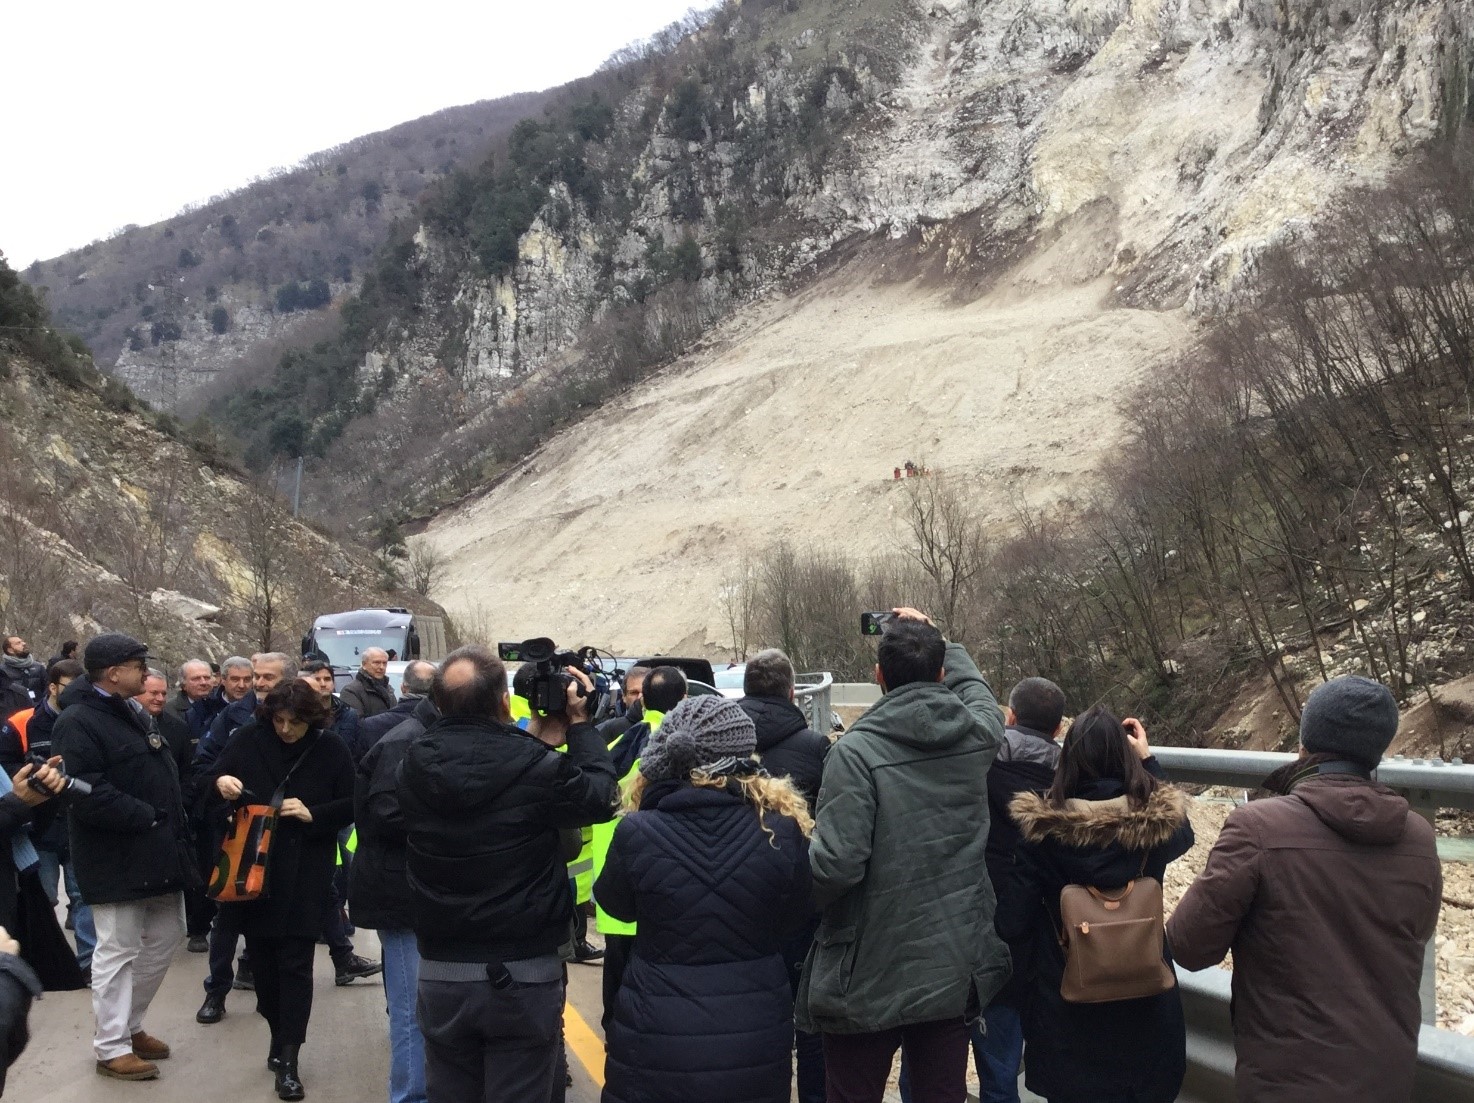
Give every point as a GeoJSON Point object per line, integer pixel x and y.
{"type": "Point", "coordinates": [483, 803]}
{"type": "Point", "coordinates": [379, 895]}
{"type": "Point", "coordinates": [789, 748]}
{"type": "Point", "coordinates": [713, 864]}
{"type": "Point", "coordinates": [1107, 819]}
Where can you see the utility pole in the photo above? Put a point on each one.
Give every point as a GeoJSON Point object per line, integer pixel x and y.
{"type": "Point", "coordinates": [297, 494]}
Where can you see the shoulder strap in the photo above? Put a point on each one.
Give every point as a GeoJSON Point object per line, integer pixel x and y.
{"type": "Point", "coordinates": [281, 790]}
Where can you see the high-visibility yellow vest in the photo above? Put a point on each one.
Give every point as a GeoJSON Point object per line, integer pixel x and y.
{"type": "Point", "coordinates": [604, 834]}
{"type": "Point", "coordinates": [521, 711]}
{"type": "Point", "coordinates": [581, 869]}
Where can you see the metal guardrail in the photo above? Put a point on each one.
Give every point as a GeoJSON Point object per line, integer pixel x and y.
{"type": "Point", "coordinates": [1445, 1059]}
{"type": "Point", "coordinates": [813, 693]}
{"type": "Point", "coordinates": [1428, 785]}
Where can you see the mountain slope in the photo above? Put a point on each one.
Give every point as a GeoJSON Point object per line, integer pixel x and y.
{"type": "Point", "coordinates": [167, 306]}
{"type": "Point", "coordinates": [1087, 179]}
{"type": "Point", "coordinates": [109, 522]}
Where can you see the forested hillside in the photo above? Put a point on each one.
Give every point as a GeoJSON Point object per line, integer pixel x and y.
{"type": "Point", "coordinates": [167, 307]}
{"type": "Point", "coordinates": [112, 518]}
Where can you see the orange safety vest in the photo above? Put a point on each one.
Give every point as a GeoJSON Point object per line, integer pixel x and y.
{"type": "Point", "coordinates": [19, 722]}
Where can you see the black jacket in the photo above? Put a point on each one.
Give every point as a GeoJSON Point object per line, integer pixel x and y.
{"type": "Point", "coordinates": [30, 676]}
{"type": "Point", "coordinates": [371, 729]}
{"type": "Point", "coordinates": [1080, 1053]}
{"type": "Point", "coordinates": [182, 746]}
{"type": "Point", "coordinates": [1025, 764]}
{"type": "Point", "coordinates": [15, 694]}
{"type": "Point", "coordinates": [236, 714]}
{"type": "Point", "coordinates": [303, 855]}
{"type": "Point", "coordinates": [200, 715]}
{"type": "Point", "coordinates": [48, 827]}
{"type": "Point", "coordinates": [714, 897]}
{"type": "Point", "coordinates": [482, 804]}
{"type": "Point", "coordinates": [18, 987]}
{"type": "Point", "coordinates": [130, 837]}
{"type": "Point", "coordinates": [15, 818]}
{"type": "Point", "coordinates": [378, 886]}
{"type": "Point", "coordinates": [787, 745]}
{"type": "Point", "coordinates": [370, 696]}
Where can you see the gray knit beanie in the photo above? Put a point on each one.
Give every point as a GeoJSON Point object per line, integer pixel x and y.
{"type": "Point", "coordinates": [706, 732]}
{"type": "Point", "coordinates": [1350, 716]}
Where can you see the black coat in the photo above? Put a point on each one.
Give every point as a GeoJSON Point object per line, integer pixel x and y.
{"type": "Point", "coordinates": [236, 714]}
{"type": "Point", "coordinates": [303, 855]}
{"type": "Point", "coordinates": [1079, 1053]}
{"type": "Point", "coordinates": [1028, 772]}
{"type": "Point", "coordinates": [378, 883]}
{"type": "Point", "coordinates": [200, 715]}
{"type": "Point", "coordinates": [15, 693]}
{"type": "Point", "coordinates": [129, 837]}
{"type": "Point", "coordinates": [787, 745]}
{"type": "Point", "coordinates": [371, 729]}
{"type": "Point", "coordinates": [705, 1010]}
{"type": "Point", "coordinates": [15, 816]}
{"type": "Point", "coordinates": [49, 825]}
{"type": "Point", "coordinates": [18, 987]}
{"type": "Point", "coordinates": [483, 803]}
{"type": "Point", "coordinates": [31, 677]}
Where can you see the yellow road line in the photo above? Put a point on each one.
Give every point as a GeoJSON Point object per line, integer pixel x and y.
{"type": "Point", "coordinates": [584, 1043]}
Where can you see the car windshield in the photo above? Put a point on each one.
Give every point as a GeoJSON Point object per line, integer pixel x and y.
{"type": "Point", "coordinates": [731, 678]}
{"type": "Point", "coordinates": [345, 646]}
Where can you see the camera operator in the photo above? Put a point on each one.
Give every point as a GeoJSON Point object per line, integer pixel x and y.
{"type": "Point", "coordinates": [490, 920]}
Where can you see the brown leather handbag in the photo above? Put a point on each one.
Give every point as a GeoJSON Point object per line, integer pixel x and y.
{"type": "Point", "coordinates": [1113, 942]}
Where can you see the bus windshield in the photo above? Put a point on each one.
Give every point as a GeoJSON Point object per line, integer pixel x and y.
{"type": "Point", "coordinates": [344, 647]}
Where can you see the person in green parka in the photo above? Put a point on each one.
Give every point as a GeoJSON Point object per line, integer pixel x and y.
{"type": "Point", "coordinates": [906, 955]}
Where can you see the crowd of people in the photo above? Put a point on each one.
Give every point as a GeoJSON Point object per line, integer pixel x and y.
{"type": "Point", "coordinates": [779, 910]}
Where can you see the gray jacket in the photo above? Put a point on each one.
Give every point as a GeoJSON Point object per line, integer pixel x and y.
{"type": "Point", "coordinates": [898, 856]}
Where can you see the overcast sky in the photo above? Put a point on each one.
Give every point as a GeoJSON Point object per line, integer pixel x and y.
{"type": "Point", "coordinates": [124, 113]}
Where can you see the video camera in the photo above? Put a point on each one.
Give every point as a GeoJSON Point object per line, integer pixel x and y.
{"type": "Point", "coordinates": [71, 786]}
{"type": "Point", "coordinates": [546, 688]}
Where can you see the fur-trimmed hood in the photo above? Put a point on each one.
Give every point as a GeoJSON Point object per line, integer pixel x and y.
{"type": "Point", "coordinates": [1098, 823]}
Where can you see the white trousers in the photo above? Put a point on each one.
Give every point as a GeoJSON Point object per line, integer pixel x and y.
{"type": "Point", "coordinates": [135, 944]}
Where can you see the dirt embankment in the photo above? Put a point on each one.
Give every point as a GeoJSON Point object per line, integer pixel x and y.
{"type": "Point", "coordinates": [620, 531]}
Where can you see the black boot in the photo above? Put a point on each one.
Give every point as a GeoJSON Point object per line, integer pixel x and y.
{"type": "Point", "coordinates": [273, 1056]}
{"type": "Point", "coordinates": [288, 1083]}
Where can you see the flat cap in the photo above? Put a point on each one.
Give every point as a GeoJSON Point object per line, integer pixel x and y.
{"type": "Point", "coordinates": [112, 649]}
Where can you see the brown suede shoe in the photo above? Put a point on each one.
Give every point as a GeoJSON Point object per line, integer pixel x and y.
{"type": "Point", "coordinates": [128, 1067]}
{"type": "Point", "coordinates": [148, 1047]}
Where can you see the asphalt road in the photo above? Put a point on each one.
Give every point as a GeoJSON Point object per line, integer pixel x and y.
{"type": "Point", "coordinates": [345, 1060]}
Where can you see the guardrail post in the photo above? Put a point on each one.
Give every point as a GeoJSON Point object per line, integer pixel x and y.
{"type": "Point", "coordinates": [1428, 986]}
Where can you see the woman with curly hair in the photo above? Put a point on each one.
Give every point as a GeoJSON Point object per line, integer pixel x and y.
{"type": "Point", "coordinates": [712, 862]}
{"type": "Point", "coordinates": [1108, 819]}
{"type": "Point", "coordinates": [287, 743]}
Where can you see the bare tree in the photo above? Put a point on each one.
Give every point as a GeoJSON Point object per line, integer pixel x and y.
{"type": "Point", "coordinates": [426, 565]}
{"type": "Point", "coordinates": [947, 541]}
{"type": "Point", "coordinates": [265, 544]}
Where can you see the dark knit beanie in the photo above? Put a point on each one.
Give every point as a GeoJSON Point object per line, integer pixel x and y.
{"type": "Point", "coordinates": [1350, 716]}
{"type": "Point", "coordinates": [699, 732]}
{"type": "Point", "coordinates": [112, 649]}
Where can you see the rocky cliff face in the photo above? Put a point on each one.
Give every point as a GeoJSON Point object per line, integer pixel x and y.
{"type": "Point", "coordinates": [1202, 128]}
{"type": "Point", "coordinates": [1032, 206]}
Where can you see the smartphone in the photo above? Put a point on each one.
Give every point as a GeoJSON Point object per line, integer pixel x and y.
{"type": "Point", "coordinates": [873, 624]}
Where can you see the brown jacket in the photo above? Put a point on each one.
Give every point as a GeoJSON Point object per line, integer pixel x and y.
{"type": "Point", "coordinates": [1327, 897]}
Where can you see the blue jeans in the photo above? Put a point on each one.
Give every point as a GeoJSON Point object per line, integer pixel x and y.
{"type": "Point", "coordinates": [998, 1052]}
{"type": "Point", "coordinates": [85, 930]}
{"type": "Point", "coordinates": [406, 1044]}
